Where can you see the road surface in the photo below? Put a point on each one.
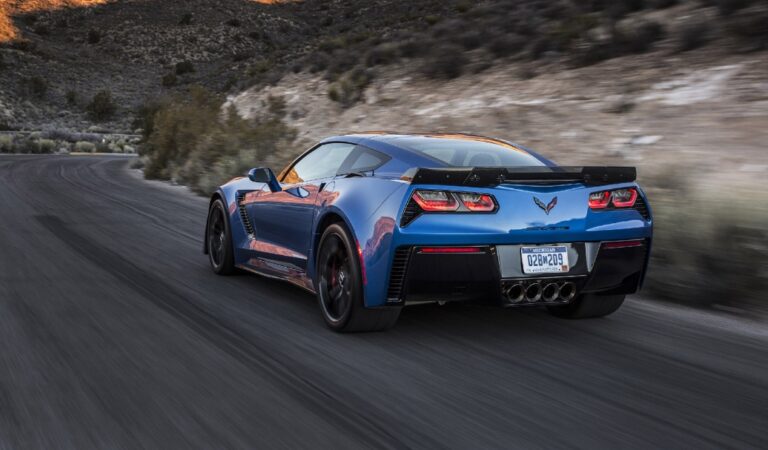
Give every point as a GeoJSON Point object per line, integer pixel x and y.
{"type": "Point", "coordinates": [114, 333]}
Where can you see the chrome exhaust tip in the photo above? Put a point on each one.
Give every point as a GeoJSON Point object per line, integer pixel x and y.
{"type": "Point", "coordinates": [550, 292]}
{"type": "Point", "coordinates": [533, 292]}
{"type": "Point", "coordinates": [515, 293]}
{"type": "Point", "coordinates": [567, 291]}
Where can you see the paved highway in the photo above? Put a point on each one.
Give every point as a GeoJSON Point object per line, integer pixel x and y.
{"type": "Point", "coordinates": [114, 333]}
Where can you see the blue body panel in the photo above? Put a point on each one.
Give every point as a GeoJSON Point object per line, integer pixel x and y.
{"type": "Point", "coordinates": [286, 225]}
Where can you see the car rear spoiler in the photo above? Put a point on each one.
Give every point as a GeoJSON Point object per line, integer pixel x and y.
{"type": "Point", "coordinates": [493, 176]}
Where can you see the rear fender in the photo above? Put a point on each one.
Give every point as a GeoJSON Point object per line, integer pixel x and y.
{"type": "Point", "coordinates": [369, 208]}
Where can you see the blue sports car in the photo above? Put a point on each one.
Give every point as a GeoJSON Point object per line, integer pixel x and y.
{"type": "Point", "coordinates": [373, 222]}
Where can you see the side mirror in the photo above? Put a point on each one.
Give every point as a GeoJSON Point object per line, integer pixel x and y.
{"type": "Point", "coordinates": [265, 175]}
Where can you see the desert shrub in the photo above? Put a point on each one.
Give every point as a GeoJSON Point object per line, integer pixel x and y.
{"type": "Point", "coordinates": [447, 61]}
{"type": "Point", "coordinates": [386, 53]}
{"type": "Point", "coordinates": [46, 146]}
{"type": "Point", "coordinates": [471, 39]}
{"type": "Point", "coordinates": [707, 246]}
{"type": "Point", "coordinates": [416, 46]}
{"type": "Point", "coordinates": [507, 45]}
{"type": "Point", "coordinates": [41, 29]}
{"type": "Point", "coordinates": [728, 7]}
{"type": "Point", "coordinates": [637, 39]}
{"type": "Point", "coordinates": [71, 97]}
{"type": "Point", "coordinates": [94, 36]}
{"type": "Point", "coordinates": [317, 62]}
{"type": "Point", "coordinates": [661, 4]}
{"type": "Point", "coordinates": [35, 86]}
{"type": "Point", "coordinates": [186, 19]}
{"type": "Point", "coordinates": [349, 89]}
{"type": "Point", "coordinates": [693, 36]}
{"type": "Point", "coordinates": [6, 143]}
{"type": "Point", "coordinates": [234, 23]}
{"type": "Point", "coordinates": [184, 67]}
{"type": "Point", "coordinates": [196, 143]}
{"type": "Point", "coordinates": [27, 145]}
{"type": "Point", "coordinates": [23, 45]}
{"type": "Point", "coordinates": [101, 107]}
{"type": "Point", "coordinates": [170, 80]}
{"type": "Point", "coordinates": [85, 147]}
{"type": "Point", "coordinates": [749, 26]}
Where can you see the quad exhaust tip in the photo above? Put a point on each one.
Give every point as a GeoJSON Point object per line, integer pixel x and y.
{"type": "Point", "coordinates": [567, 291]}
{"type": "Point", "coordinates": [540, 291]}
{"type": "Point", "coordinates": [515, 293]}
{"type": "Point", "coordinates": [533, 292]}
{"type": "Point", "coordinates": [550, 293]}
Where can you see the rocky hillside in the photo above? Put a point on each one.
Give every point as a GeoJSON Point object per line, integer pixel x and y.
{"type": "Point", "coordinates": [60, 58]}
{"type": "Point", "coordinates": [62, 55]}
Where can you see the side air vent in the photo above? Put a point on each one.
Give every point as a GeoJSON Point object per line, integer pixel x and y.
{"type": "Point", "coordinates": [642, 208]}
{"type": "Point", "coordinates": [397, 274]}
{"type": "Point", "coordinates": [244, 215]}
{"type": "Point", "coordinates": [412, 211]}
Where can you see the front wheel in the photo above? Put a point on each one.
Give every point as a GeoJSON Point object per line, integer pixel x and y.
{"type": "Point", "coordinates": [588, 305]}
{"type": "Point", "coordinates": [340, 289]}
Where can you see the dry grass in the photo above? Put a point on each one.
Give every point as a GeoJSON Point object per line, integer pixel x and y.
{"type": "Point", "coordinates": [710, 245]}
{"type": "Point", "coordinates": [193, 142]}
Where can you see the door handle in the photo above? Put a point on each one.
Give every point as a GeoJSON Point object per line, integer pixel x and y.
{"type": "Point", "coordinates": [322, 186]}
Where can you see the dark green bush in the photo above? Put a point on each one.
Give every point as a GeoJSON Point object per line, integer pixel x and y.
{"type": "Point", "coordinates": [693, 36]}
{"type": "Point", "coordinates": [35, 86]}
{"type": "Point", "coordinates": [447, 61]}
{"type": "Point", "coordinates": [184, 67]}
{"type": "Point", "coordinates": [186, 19]}
{"type": "Point", "coordinates": [193, 142]}
{"type": "Point", "coordinates": [382, 54]}
{"type": "Point", "coordinates": [170, 80]}
{"type": "Point", "coordinates": [71, 97]}
{"type": "Point", "coordinates": [94, 36]}
{"type": "Point", "coordinates": [507, 45]}
{"type": "Point", "coordinates": [348, 90]}
{"type": "Point", "coordinates": [101, 107]}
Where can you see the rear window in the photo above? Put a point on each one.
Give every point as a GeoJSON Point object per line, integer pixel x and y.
{"type": "Point", "coordinates": [471, 152]}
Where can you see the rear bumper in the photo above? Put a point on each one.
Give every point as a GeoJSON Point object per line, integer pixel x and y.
{"type": "Point", "coordinates": [486, 275]}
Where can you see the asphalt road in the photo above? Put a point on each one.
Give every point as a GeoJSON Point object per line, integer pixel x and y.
{"type": "Point", "coordinates": [114, 333]}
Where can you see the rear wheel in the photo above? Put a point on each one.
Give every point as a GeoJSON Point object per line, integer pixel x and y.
{"type": "Point", "coordinates": [219, 240]}
{"type": "Point", "coordinates": [340, 289]}
{"type": "Point", "coordinates": [588, 305]}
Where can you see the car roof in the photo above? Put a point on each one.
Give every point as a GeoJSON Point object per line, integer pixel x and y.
{"type": "Point", "coordinates": [396, 144]}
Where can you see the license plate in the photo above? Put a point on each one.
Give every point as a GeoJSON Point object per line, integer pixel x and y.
{"type": "Point", "coordinates": [545, 259]}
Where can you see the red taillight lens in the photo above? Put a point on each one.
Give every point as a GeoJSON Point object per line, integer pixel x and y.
{"type": "Point", "coordinates": [599, 200]}
{"type": "Point", "coordinates": [436, 201]}
{"type": "Point", "coordinates": [478, 202]}
{"type": "Point", "coordinates": [623, 244]}
{"type": "Point", "coordinates": [624, 198]}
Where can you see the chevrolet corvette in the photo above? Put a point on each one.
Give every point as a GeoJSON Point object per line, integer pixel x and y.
{"type": "Point", "coordinates": [373, 222]}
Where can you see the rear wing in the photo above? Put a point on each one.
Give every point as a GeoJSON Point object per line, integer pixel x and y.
{"type": "Point", "coordinates": [493, 176]}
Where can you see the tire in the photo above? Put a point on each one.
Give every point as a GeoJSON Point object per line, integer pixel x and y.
{"type": "Point", "coordinates": [219, 239]}
{"type": "Point", "coordinates": [588, 305]}
{"type": "Point", "coordinates": [339, 286]}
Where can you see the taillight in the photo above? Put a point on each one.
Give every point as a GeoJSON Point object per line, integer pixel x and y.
{"type": "Point", "coordinates": [623, 244]}
{"type": "Point", "coordinates": [599, 200]}
{"type": "Point", "coordinates": [477, 202]}
{"type": "Point", "coordinates": [624, 198]}
{"type": "Point", "coordinates": [436, 201]}
{"type": "Point", "coordinates": [619, 198]}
